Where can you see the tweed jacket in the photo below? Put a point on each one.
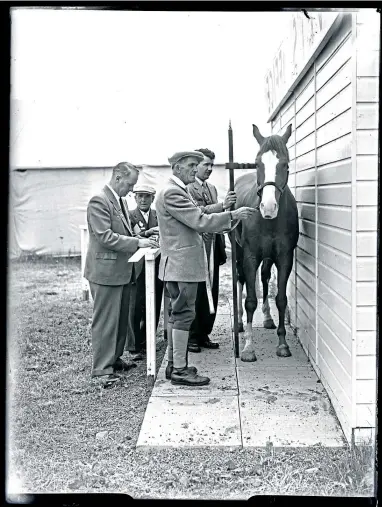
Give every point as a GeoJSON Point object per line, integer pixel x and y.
{"type": "Point", "coordinates": [181, 222]}
{"type": "Point", "coordinates": [111, 242]}
{"type": "Point", "coordinates": [209, 200]}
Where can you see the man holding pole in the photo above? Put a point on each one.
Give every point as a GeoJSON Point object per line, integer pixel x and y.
{"type": "Point", "coordinates": [183, 258]}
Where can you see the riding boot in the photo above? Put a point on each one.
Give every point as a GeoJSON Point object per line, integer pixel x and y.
{"type": "Point", "coordinates": [181, 375]}
{"type": "Point", "coordinates": [170, 362]}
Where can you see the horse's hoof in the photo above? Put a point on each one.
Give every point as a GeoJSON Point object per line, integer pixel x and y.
{"type": "Point", "coordinates": [269, 324]}
{"type": "Point", "coordinates": [248, 356]}
{"type": "Point", "coordinates": [241, 328]}
{"type": "Point", "coordinates": [283, 351]}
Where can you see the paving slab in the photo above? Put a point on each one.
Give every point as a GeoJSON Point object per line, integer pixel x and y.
{"type": "Point", "coordinates": [186, 421]}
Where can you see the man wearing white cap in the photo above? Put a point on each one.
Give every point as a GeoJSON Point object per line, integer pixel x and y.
{"type": "Point", "coordinates": [145, 224]}
{"type": "Point", "coordinates": [183, 258]}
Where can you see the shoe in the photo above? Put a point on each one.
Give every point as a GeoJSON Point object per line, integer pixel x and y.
{"type": "Point", "coordinates": [121, 365]}
{"type": "Point", "coordinates": [208, 344]}
{"type": "Point", "coordinates": [137, 357]}
{"type": "Point", "coordinates": [107, 380]}
{"type": "Point", "coordinates": [184, 377]}
{"type": "Point", "coordinates": [170, 367]}
{"type": "Point", "coordinates": [192, 347]}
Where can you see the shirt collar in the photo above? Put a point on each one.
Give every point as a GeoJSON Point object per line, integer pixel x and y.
{"type": "Point", "coordinates": [145, 213]}
{"type": "Point", "coordinates": [114, 192]}
{"type": "Point", "coordinates": [178, 181]}
{"type": "Point", "coordinates": [202, 183]}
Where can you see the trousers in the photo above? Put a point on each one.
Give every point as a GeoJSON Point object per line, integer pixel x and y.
{"type": "Point", "coordinates": [183, 297]}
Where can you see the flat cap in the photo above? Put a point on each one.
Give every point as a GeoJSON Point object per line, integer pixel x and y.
{"type": "Point", "coordinates": [183, 154]}
{"type": "Point", "coordinates": [144, 189]}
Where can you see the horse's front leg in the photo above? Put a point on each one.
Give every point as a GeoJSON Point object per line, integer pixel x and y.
{"type": "Point", "coordinates": [284, 268]}
{"type": "Point", "coordinates": [240, 307]}
{"type": "Point", "coordinates": [265, 277]}
{"type": "Point", "coordinates": [250, 267]}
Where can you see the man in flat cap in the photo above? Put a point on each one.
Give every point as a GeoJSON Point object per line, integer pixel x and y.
{"type": "Point", "coordinates": [183, 258]}
{"type": "Point", "coordinates": [111, 277]}
{"type": "Point", "coordinates": [206, 195]}
{"type": "Point", "coordinates": [144, 222]}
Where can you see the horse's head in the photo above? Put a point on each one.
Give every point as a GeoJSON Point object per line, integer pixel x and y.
{"type": "Point", "coordinates": [272, 163]}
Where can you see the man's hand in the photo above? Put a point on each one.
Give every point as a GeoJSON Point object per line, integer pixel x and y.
{"type": "Point", "coordinates": [229, 200]}
{"type": "Point", "coordinates": [154, 231]}
{"type": "Point", "coordinates": [243, 213]}
{"type": "Point", "coordinates": [147, 243]}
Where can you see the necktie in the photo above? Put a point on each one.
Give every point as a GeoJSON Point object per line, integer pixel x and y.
{"type": "Point", "coordinates": [123, 209]}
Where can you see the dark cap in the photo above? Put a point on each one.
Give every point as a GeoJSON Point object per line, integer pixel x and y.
{"type": "Point", "coordinates": [183, 154]}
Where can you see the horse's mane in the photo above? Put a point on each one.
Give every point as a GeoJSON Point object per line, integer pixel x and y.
{"type": "Point", "coordinates": [274, 143]}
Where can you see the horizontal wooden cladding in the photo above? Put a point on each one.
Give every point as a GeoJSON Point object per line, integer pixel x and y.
{"type": "Point", "coordinates": [367, 218]}
{"type": "Point", "coordinates": [367, 142]}
{"type": "Point", "coordinates": [367, 116]}
{"type": "Point", "coordinates": [306, 178]}
{"type": "Point", "coordinates": [305, 259]}
{"type": "Point", "coordinates": [335, 281]}
{"type": "Point", "coordinates": [338, 149]}
{"type": "Point", "coordinates": [334, 63]}
{"type": "Point", "coordinates": [336, 172]}
{"type": "Point", "coordinates": [307, 244]}
{"type": "Point", "coordinates": [335, 216]}
{"type": "Point", "coordinates": [366, 343]}
{"type": "Point", "coordinates": [367, 37]}
{"type": "Point", "coordinates": [339, 195]}
{"type": "Point", "coordinates": [306, 211]}
{"type": "Point", "coordinates": [367, 167]}
{"type": "Point", "coordinates": [334, 259]}
{"type": "Point", "coordinates": [305, 82]}
{"type": "Point", "coordinates": [366, 318]}
{"type": "Point", "coordinates": [366, 244]}
{"type": "Point", "coordinates": [305, 95]}
{"type": "Point", "coordinates": [287, 113]}
{"type": "Point", "coordinates": [368, 63]}
{"type": "Point", "coordinates": [308, 278]}
{"type": "Point", "coordinates": [305, 112]}
{"type": "Point", "coordinates": [307, 228]}
{"type": "Point", "coordinates": [334, 129]}
{"type": "Point", "coordinates": [366, 367]}
{"type": "Point", "coordinates": [366, 415]}
{"type": "Point", "coordinates": [334, 237]}
{"type": "Point", "coordinates": [305, 194]}
{"type": "Point", "coordinates": [307, 335]}
{"type": "Point", "coordinates": [366, 293]}
{"type": "Point", "coordinates": [306, 301]}
{"type": "Point", "coordinates": [335, 302]}
{"type": "Point", "coordinates": [367, 193]}
{"type": "Point", "coordinates": [366, 391]}
{"type": "Point", "coordinates": [305, 145]}
{"type": "Point", "coordinates": [305, 129]}
{"type": "Point", "coordinates": [367, 89]}
{"type": "Point", "coordinates": [335, 42]}
{"type": "Point", "coordinates": [291, 179]}
{"type": "Point", "coordinates": [337, 369]}
{"type": "Point", "coordinates": [337, 105]}
{"type": "Point", "coordinates": [306, 161]}
{"type": "Point", "coordinates": [367, 269]}
{"type": "Point", "coordinates": [334, 341]}
{"type": "Point", "coordinates": [338, 82]}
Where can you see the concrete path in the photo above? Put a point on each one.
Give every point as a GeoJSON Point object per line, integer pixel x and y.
{"type": "Point", "coordinates": [246, 404]}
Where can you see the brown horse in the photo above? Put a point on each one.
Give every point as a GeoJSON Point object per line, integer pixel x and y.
{"type": "Point", "coordinates": [270, 237]}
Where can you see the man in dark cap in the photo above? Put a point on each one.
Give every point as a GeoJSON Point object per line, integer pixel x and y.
{"type": "Point", "coordinates": [183, 258]}
{"type": "Point", "coordinates": [111, 277]}
{"type": "Point", "coordinates": [206, 195]}
{"type": "Point", "coordinates": [144, 222]}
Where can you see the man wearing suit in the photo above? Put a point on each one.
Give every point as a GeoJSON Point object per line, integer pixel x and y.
{"type": "Point", "coordinates": [206, 195]}
{"type": "Point", "coordinates": [183, 258]}
{"type": "Point", "coordinates": [111, 277]}
{"type": "Point", "coordinates": [144, 222]}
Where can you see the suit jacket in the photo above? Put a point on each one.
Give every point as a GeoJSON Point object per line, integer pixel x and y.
{"type": "Point", "coordinates": [209, 200]}
{"type": "Point", "coordinates": [181, 221]}
{"type": "Point", "coordinates": [136, 217]}
{"type": "Point", "coordinates": [111, 242]}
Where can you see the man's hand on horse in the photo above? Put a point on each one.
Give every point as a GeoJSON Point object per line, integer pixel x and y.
{"type": "Point", "coordinates": [243, 213]}
{"type": "Point", "coordinates": [229, 200]}
{"type": "Point", "coordinates": [147, 243]}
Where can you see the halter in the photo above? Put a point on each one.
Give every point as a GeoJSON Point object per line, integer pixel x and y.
{"type": "Point", "coordinates": [272, 183]}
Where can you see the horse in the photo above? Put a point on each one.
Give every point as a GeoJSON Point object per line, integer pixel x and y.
{"type": "Point", "coordinates": [270, 237]}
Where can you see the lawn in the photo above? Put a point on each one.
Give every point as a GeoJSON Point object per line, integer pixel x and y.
{"type": "Point", "coordinates": [67, 435]}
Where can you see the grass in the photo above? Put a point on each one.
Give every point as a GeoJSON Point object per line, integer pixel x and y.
{"type": "Point", "coordinates": [55, 415]}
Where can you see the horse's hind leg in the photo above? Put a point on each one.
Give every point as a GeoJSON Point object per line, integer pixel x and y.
{"type": "Point", "coordinates": [240, 306]}
{"type": "Point", "coordinates": [284, 268]}
{"type": "Point", "coordinates": [265, 277]}
{"type": "Point", "coordinates": [250, 267]}
{"type": "Point", "coordinates": [240, 285]}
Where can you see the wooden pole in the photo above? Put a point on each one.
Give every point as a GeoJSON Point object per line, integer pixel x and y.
{"type": "Point", "coordinates": [233, 247]}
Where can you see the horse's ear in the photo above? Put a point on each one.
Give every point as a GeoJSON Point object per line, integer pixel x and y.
{"type": "Point", "coordinates": [256, 134]}
{"type": "Point", "coordinates": [285, 137]}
